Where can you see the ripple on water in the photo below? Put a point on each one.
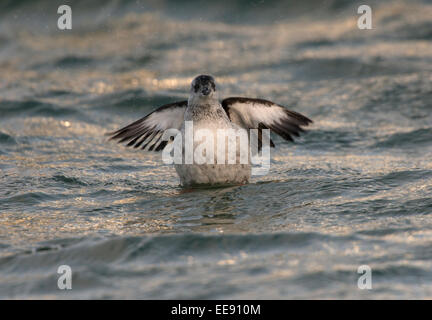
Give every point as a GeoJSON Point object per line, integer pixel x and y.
{"type": "Point", "coordinates": [354, 190]}
{"type": "Point", "coordinates": [407, 140]}
{"type": "Point", "coordinates": [9, 108]}
{"type": "Point", "coordinates": [7, 139]}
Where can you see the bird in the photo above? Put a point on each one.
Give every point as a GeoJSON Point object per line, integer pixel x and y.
{"type": "Point", "coordinates": [206, 111]}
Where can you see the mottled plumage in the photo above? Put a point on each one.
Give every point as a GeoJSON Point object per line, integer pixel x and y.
{"type": "Point", "coordinates": [205, 110]}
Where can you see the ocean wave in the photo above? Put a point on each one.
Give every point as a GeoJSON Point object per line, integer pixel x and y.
{"type": "Point", "coordinates": [68, 62]}
{"type": "Point", "coordinates": [26, 199]}
{"type": "Point", "coordinates": [155, 249]}
{"type": "Point", "coordinates": [129, 101]}
{"type": "Point", "coordinates": [240, 8]}
{"type": "Point", "coordinates": [414, 31]}
{"type": "Point", "coordinates": [73, 181]}
{"type": "Point", "coordinates": [331, 140]}
{"type": "Point", "coordinates": [165, 265]}
{"type": "Point", "coordinates": [343, 68]}
{"type": "Point", "coordinates": [407, 140]}
{"type": "Point", "coordinates": [405, 176]}
{"type": "Point", "coordinates": [6, 139]}
{"type": "Point", "coordinates": [10, 108]}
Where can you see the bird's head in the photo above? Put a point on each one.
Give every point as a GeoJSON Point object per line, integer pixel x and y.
{"type": "Point", "coordinates": [203, 87]}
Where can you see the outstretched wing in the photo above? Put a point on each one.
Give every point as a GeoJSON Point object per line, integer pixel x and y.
{"type": "Point", "coordinates": [263, 114]}
{"type": "Point", "coordinates": [147, 132]}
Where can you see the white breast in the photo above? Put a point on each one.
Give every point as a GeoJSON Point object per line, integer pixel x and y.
{"type": "Point", "coordinates": [210, 121]}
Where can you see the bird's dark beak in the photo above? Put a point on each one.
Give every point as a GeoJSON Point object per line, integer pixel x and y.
{"type": "Point", "coordinates": [205, 91]}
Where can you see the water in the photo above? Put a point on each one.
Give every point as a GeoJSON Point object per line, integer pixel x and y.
{"type": "Point", "coordinates": [356, 189]}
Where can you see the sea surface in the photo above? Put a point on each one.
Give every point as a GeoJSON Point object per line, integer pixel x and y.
{"type": "Point", "coordinates": [355, 190]}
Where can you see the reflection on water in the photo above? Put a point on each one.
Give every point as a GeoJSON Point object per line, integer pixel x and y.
{"type": "Point", "coordinates": [356, 189]}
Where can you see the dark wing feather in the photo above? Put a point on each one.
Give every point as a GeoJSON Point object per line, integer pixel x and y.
{"type": "Point", "coordinates": [261, 114]}
{"type": "Point", "coordinates": [147, 131]}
